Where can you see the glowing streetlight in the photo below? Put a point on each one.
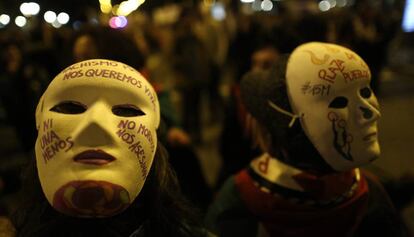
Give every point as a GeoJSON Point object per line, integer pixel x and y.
{"type": "Point", "coordinates": [20, 21]}
{"type": "Point", "coordinates": [63, 18]}
{"type": "Point", "coordinates": [324, 6]}
{"type": "Point", "coordinates": [49, 16]}
{"type": "Point", "coordinates": [266, 5]}
{"type": "Point", "coordinates": [29, 8]}
{"type": "Point", "coordinates": [4, 19]}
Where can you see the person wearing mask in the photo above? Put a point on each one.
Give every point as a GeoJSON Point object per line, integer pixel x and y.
{"type": "Point", "coordinates": [315, 118]}
{"type": "Point", "coordinates": [100, 169]}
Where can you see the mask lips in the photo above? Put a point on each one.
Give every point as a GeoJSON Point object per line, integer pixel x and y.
{"type": "Point", "coordinates": [94, 157]}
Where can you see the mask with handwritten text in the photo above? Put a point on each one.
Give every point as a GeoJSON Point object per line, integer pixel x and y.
{"type": "Point", "coordinates": [96, 141]}
{"type": "Point", "coordinates": [328, 88]}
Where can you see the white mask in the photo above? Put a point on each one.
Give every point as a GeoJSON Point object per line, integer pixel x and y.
{"type": "Point", "coordinates": [328, 89]}
{"type": "Point", "coordinates": [96, 141]}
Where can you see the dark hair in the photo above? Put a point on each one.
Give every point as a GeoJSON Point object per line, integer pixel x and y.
{"type": "Point", "coordinates": [289, 145]}
{"type": "Point", "coordinates": [159, 210]}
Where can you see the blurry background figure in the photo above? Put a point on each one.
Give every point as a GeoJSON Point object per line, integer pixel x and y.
{"type": "Point", "coordinates": [312, 27]}
{"type": "Point", "coordinates": [27, 61]}
{"type": "Point", "coordinates": [17, 95]}
{"type": "Point", "coordinates": [264, 57]}
{"type": "Point", "coordinates": [104, 42]}
{"type": "Point", "coordinates": [15, 80]}
{"type": "Point", "coordinates": [371, 38]}
{"type": "Point", "coordinates": [192, 67]}
{"type": "Point", "coordinates": [236, 148]}
{"type": "Point", "coordinates": [84, 48]}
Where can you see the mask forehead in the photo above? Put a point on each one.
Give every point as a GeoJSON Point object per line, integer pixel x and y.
{"type": "Point", "coordinates": [101, 79]}
{"type": "Point", "coordinates": [318, 70]}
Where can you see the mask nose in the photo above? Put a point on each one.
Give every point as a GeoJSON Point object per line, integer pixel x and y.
{"type": "Point", "coordinates": [368, 113]}
{"type": "Point", "coordinates": [94, 131]}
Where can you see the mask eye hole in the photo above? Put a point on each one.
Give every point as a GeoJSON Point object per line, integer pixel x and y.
{"type": "Point", "coordinates": [69, 107]}
{"type": "Point", "coordinates": [365, 92]}
{"type": "Point", "coordinates": [339, 102]}
{"type": "Point", "coordinates": [127, 111]}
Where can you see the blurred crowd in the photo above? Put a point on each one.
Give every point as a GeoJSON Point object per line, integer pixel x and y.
{"type": "Point", "coordinates": [191, 59]}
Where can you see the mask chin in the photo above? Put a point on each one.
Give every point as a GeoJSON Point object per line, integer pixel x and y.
{"type": "Point", "coordinates": [89, 198]}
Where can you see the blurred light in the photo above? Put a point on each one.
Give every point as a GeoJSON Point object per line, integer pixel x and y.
{"type": "Point", "coordinates": [77, 25]}
{"type": "Point", "coordinates": [29, 8]}
{"type": "Point", "coordinates": [24, 8]}
{"type": "Point", "coordinates": [4, 19]}
{"type": "Point", "coordinates": [257, 5]}
{"type": "Point", "coordinates": [122, 21]}
{"type": "Point", "coordinates": [218, 11]}
{"type": "Point", "coordinates": [266, 5]}
{"type": "Point", "coordinates": [49, 16]}
{"type": "Point", "coordinates": [408, 17]}
{"type": "Point", "coordinates": [341, 3]}
{"type": "Point", "coordinates": [126, 7]}
{"type": "Point", "coordinates": [114, 9]}
{"type": "Point", "coordinates": [56, 24]}
{"type": "Point", "coordinates": [209, 3]}
{"type": "Point", "coordinates": [63, 18]}
{"type": "Point", "coordinates": [118, 22]}
{"type": "Point", "coordinates": [106, 8]}
{"type": "Point", "coordinates": [94, 21]}
{"type": "Point", "coordinates": [324, 6]}
{"type": "Point", "coordinates": [112, 22]}
{"type": "Point", "coordinates": [332, 3]}
{"type": "Point", "coordinates": [35, 8]}
{"type": "Point", "coordinates": [122, 9]}
{"type": "Point", "coordinates": [105, 2]}
{"type": "Point", "coordinates": [20, 21]}
{"type": "Point", "coordinates": [246, 1]}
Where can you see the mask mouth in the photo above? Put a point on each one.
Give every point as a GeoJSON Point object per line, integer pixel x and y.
{"type": "Point", "coordinates": [370, 137]}
{"type": "Point", "coordinates": [94, 157]}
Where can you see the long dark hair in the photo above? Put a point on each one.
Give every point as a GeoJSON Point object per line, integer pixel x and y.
{"type": "Point", "coordinates": [159, 210]}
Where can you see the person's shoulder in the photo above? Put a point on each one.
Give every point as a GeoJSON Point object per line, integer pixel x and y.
{"type": "Point", "coordinates": [375, 186]}
{"type": "Point", "coordinates": [228, 197]}
{"type": "Point", "coordinates": [229, 211]}
{"type": "Point", "coordinates": [380, 218]}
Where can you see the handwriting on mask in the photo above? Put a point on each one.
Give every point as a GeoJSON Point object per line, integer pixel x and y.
{"type": "Point", "coordinates": [127, 131]}
{"type": "Point", "coordinates": [316, 89]}
{"type": "Point", "coordinates": [94, 63]}
{"type": "Point", "coordinates": [77, 72]}
{"type": "Point", "coordinates": [102, 73]}
{"type": "Point", "coordinates": [51, 143]}
{"type": "Point", "coordinates": [338, 67]}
